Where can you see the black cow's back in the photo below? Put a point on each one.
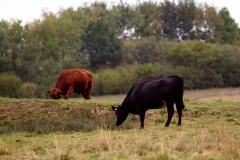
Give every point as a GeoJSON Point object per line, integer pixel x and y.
{"type": "Point", "coordinates": [152, 93]}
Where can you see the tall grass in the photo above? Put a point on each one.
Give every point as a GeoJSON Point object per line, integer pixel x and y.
{"type": "Point", "coordinates": [4, 149]}
{"type": "Point", "coordinates": [77, 129]}
{"type": "Point", "coordinates": [144, 144]}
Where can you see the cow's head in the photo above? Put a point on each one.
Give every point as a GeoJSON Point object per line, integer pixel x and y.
{"type": "Point", "coordinates": [55, 93]}
{"type": "Point", "coordinates": [121, 114]}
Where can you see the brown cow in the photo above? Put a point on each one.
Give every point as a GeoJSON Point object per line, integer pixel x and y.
{"type": "Point", "coordinates": [73, 80]}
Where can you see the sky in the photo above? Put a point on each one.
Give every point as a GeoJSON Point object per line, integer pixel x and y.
{"type": "Point", "coordinates": [28, 10]}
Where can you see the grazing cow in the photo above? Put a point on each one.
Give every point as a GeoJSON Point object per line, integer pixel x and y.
{"type": "Point", "coordinates": [73, 80]}
{"type": "Point", "coordinates": [152, 95]}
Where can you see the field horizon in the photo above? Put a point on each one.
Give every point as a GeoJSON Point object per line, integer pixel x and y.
{"type": "Point", "coordinates": [80, 129]}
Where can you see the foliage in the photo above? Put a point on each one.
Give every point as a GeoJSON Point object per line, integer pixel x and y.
{"type": "Point", "coordinates": [196, 62]}
{"type": "Point", "coordinates": [5, 57]}
{"type": "Point", "coordinates": [227, 65]}
{"type": "Point", "coordinates": [9, 85]}
{"type": "Point", "coordinates": [150, 22]}
{"type": "Point", "coordinates": [230, 31]}
{"type": "Point", "coordinates": [95, 37]}
{"type": "Point", "coordinates": [101, 43]}
{"type": "Point", "coordinates": [169, 17]}
{"type": "Point", "coordinates": [148, 71]}
{"type": "Point", "coordinates": [178, 19]}
{"type": "Point", "coordinates": [141, 51]}
{"type": "Point", "coordinates": [27, 90]}
{"type": "Point", "coordinates": [113, 81]}
{"type": "Point", "coordinates": [121, 79]}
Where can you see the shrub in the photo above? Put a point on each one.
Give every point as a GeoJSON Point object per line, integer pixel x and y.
{"type": "Point", "coordinates": [9, 85]}
{"type": "Point", "coordinates": [27, 90]}
{"type": "Point", "coordinates": [148, 71]}
{"type": "Point", "coordinates": [108, 82]}
{"type": "Point", "coordinates": [113, 81]}
{"type": "Point", "coordinates": [121, 79]}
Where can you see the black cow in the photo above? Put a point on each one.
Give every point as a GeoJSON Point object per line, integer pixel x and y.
{"type": "Point", "coordinates": [152, 95]}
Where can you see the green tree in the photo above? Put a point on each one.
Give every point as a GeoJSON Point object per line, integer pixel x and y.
{"type": "Point", "coordinates": [11, 44]}
{"type": "Point", "coordinates": [70, 26]}
{"type": "Point", "coordinates": [15, 38]}
{"type": "Point", "coordinates": [5, 56]}
{"type": "Point", "coordinates": [178, 19]}
{"type": "Point", "coordinates": [49, 36]}
{"type": "Point", "coordinates": [152, 22]}
{"type": "Point", "coordinates": [125, 17]}
{"type": "Point", "coordinates": [207, 24]}
{"type": "Point", "coordinates": [169, 15]}
{"type": "Point", "coordinates": [230, 31]}
{"type": "Point", "coordinates": [101, 43]}
{"type": "Point", "coordinates": [185, 17]}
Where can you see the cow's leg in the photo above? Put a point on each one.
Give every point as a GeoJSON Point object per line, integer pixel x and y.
{"type": "Point", "coordinates": [87, 92]}
{"type": "Point", "coordinates": [170, 110]}
{"type": "Point", "coordinates": [69, 92]}
{"type": "Point", "coordinates": [141, 113]}
{"type": "Point", "coordinates": [142, 117]}
{"type": "Point", "coordinates": [179, 110]}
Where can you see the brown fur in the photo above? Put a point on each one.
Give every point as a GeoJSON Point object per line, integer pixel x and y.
{"type": "Point", "coordinates": [79, 81]}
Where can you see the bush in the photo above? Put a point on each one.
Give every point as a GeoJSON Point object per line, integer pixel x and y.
{"type": "Point", "coordinates": [27, 90]}
{"type": "Point", "coordinates": [196, 62]}
{"type": "Point", "coordinates": [148, 71]}
{"type": "Point", "coordinates": [144, 51]}
{"type": "Point", "coordinates": [105, 82]}
{"type": "Point", "coordinates": [112, 81]}
{"type": "Point", "coordinates": [121, 79]}
{"type": "Point", "coordinates": [9, 85]}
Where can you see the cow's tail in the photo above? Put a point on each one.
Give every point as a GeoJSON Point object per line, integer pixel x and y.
{"type": "Point", "coordinates": [181, 92]}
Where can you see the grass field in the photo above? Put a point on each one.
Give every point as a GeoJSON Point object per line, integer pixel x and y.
{"type": "Point", "coordinates": [78, 129]}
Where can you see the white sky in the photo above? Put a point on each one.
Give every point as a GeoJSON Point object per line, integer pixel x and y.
{"type": "Point", "coordinates": [28, 10]}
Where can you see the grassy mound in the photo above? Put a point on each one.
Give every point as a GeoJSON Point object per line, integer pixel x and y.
{"type": "Point", "coordinates": [46, 116]}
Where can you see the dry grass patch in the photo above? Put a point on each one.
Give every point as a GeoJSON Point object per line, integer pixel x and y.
{"type": "Point", "coordinates": [4, 149]}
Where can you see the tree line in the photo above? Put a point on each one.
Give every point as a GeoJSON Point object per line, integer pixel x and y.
{"type": "Point", "coordinates": [195, 41]}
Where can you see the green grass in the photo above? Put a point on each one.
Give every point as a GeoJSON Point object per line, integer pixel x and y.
{"type": "Point", "coordinates": [79, 129]}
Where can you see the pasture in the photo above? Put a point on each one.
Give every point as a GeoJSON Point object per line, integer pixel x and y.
{"type": "Point", "coordinates": [80, 129]}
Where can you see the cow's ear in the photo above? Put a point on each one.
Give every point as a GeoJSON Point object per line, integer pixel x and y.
{"type": "Point", "coordinates": [48, 91]}
{"type": "Point", "coordinates": [114, 108]}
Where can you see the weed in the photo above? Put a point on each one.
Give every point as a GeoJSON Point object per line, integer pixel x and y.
{"type": "Point", "coordinates": [104, 140]}
{"type": "Point", "coordinates": [4, 149]}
